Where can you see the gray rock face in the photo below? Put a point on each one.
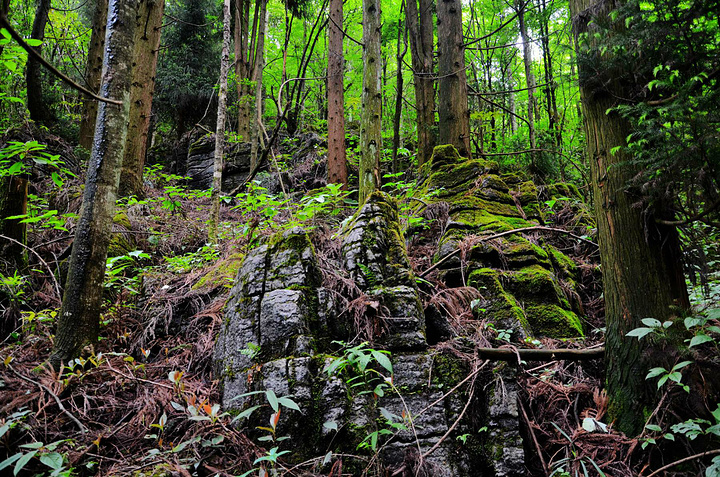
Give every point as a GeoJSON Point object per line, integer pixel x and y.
{"type": "Point", "coordinates": [278, 332]}
{"type": "Point", "coordinates": [201, 157]}
{"type": "Point", "coordinates": [375, 255]}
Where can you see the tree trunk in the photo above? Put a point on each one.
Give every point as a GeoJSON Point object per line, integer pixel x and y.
{"type": "Point", "coordinates": [337, 160]}
{"type": "Point", "coordinates": [13, 201]}
{"type": "Point", "coordinates": [145, 56]}
{"type": "Point", "coordinates": [550, 97]}
{"type": "Point", "coordinates": [529, 78]}
{"type": "Point", "coordinates": [242, 67]}
{"type": "Point", "coordinates": [371, 121]}
{"type": "Point", "coordinates": [220, 126]}
{"type": "Point", "coordinates": [642, 272]}
{"type": "Point", "coordinates": [398, 93]}
{"type": "Point", "coordinates": [420, 29]}
{"type": "Point", "coordinates": [78, 322]}
{"type": "Point", "coordinates": [454, 126]}
{"type": "Point", "coordinates": [93, 73]}
{"type": "Point", "coordinates": [37, 107]}
{"type": "Point", "coordinates": [258, 78]}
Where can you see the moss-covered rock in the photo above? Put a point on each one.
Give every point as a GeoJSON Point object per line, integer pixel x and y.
{"type": "Point", "coordinates": [221, 274]}
{"type": "Point", "coordinates": [515, 275]}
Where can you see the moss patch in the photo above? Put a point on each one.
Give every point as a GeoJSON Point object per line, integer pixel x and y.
{"type": "Point", "coordinates": [552, 320]}
{"type": "Point", "coordinates": [222, 273]}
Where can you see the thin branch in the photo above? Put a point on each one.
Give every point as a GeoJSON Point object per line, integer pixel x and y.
{"type": "Point", "coordinates": [534, 438]}
{"type": "Point", "coordinates": [684, 459]}
{"type": "Point", "coordinates": [511, 355]}
{"type": "Point", "coordinates": [80, 425]}
{"type": "Point", "coordinates": [503, 234]}
{"type": "Point", "coordinates": [32, 52]}
{"type": "Point", "coordinates": [699, 216]}
{"type": "Point", "coordinates": [57, 286]}
{"type": "Point", "coordinates": [346, 33]}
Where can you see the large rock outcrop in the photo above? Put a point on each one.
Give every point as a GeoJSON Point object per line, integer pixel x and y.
{"type": "Point", "coordinates": [527, 285]}
{"type": "Point", "coordinates": [278, 335]}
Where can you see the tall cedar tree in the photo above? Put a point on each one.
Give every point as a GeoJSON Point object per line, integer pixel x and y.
{"type": "Point", "coordinates": [93, 73]}
{"type": "Point", "coordinates": [454, 126]}
{"type": "Point", "coordinates": [37, 107]}
{"type": "Point", "coordinates": [337, 160]}
{"type": "Point", "coordinates": [146, 46]}
{"type": "Point", "coordinates": [220, 126]}
{"type": "Point", "coordinates": [642, 271]}
{"type": "Point", "coordinates": [79, 320]}
{"type": "Point", "coordinates": [420, 31]}
{"type": "Point", "coordinates": [371, 120]}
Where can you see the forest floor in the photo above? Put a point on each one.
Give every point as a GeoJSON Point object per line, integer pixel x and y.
{"type": "Point", "coordinates": [144, 401]}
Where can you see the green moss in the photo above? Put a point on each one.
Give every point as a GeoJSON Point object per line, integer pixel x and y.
{"type": "Point", "coordinates": [122, 220]}
{"type": "Point", "coordinates": [562, 262]}
{"type": "Point", "coordinates": [447, 370]}
{"type": "Point", "coordinates": [160, 470]}
{"type": "Point", "coordinates": [472, 202]}
{"type": "Point", "coordinates": [562, 189]}
{"type": "Point", "coordinates": [522, 252]}
{"type": "Point", "coordinates": [222, 273]}
{"type": "Point", "coordinates": [444, 155]}
{"type": "Point", "coordinates": [534, 283]}
{"type": "Point", "coordinates": [553, 321]}
{"type": "Point", "coordinates": [499, 306]}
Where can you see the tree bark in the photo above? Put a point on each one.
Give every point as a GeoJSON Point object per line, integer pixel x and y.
{"type": "Point", "coordinates": [529, 78]}
{"type": "Point", "coordinates": [13, 201]}
{"type": "Point", "coordinates": [454, 126]}
{"type": "Point", "coordinates": [93, 73]}
{"type": "Point", "coordinates": [37, 107]}
{"type": "Point", "coordinates": [337, 160]}
{"type": "Point", "coordinates": [258, 78]}
{"type": "Point", "coordinates": [220, 126]}
{"type": "Point", "coordinates": [420, 29]}
{"type": "Point", "coordinates": [642, 272]}
{"type": "Point", "coordinates": [78, 322]}
{"type": "Point", "coordinates": [145, 56]}
{"type": "Point", "coordinates": [371, 121]}
{"type": "Point", "coordinates": [402, 33]}
{"type": "Point", "coordinates": [242, 67]}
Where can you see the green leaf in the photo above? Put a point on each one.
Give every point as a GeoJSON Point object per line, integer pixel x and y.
{"type": "Point", "coordinates": [639, 332]}
{"type": "Point", "coordinates": [246, 413]}
{"type": "Point", "coordinates": [272, 399]}
{"type": "Point", "coordinates": [681, 365]}
{"type": "Point", "coordinates": [22, 461]}
{"type": "Point", "coordinates": [9, 461]}
{"type": "Point", "coordinates": [700, 339]}
{"type": "Point", "coordinates": [54, 460]}
{"type": "Point", "coordinates": [651, 322]}
{"type": "Point", "coordinates": [382, 360]}
{"type": "Point", "coordinates": [653, 427]}
{"type": "Point", "coordinates": [33, 41]}
{"type": "Point", "coordinates": [15, 168]}
{"type": "Point", "coordinates": [32, 445]}
{"type": "Point", "coordinates": [288, 403]}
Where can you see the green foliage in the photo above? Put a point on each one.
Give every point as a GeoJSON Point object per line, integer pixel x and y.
{"type": "Point", "coordinates": [47, 454]}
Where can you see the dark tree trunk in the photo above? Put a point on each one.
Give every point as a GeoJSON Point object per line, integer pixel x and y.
{"type": "Point", "coordinates": [146, 45]}
{"type": "Point", "coordinates": [93, 73]}
{"type": "Point", "coordinates": [337, 160]}
{"type": "Point", "coordinates": [37, 107]}
{"type": "Point", "coordinates": [243, 67]}
{"type": "Point", "coordinates": [642, 272]}
{"type": "Point", "coordinates": [420, 30]}
{"type": "Point", "coordinates": [13, 201]}
{"type": "Point", "coordinates": [398, 93]}
{"type": "Point", "coordinates": [78, 322]}
{"type": "Point", "coordinates": [454, 125]}
{"type": "Point", "coordinates": [258, 78]}
{"type": "Point", "coordinates": [529, 78]}
{"type": "Point", "coordinates": [371, 122]}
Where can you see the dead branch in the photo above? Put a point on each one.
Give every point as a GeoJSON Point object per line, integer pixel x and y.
{"type": "Point", "coordinates": [511, 355]}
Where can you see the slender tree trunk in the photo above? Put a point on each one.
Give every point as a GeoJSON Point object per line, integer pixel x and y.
{"type": "Point", "coordinates": [145, 56]}
{"type": "Point", "coordinates": [79, 319]}
{"type": "Point", "coordinates": [258, 78]}
{"type": "Point", "coordinates": [398, 92]}
{"type": "Point", "coordinates": [220, 127]}
{"type": "Point", "coordinates": [371, 122]}
{"type": "Point", "coordinates": [529, 78]}
{"type": "Point", "coordinates": [553, 118]}
{"type": "Point", "coordinates": [13, 201]}
{"type": "Point", "coordinates": [509, 84]}
{"type": "Point", "coordinates": [242, 67]}
{"type": "Point", "coordinates": [420, 30]}
{"type": "Point", "coordinates": [337, 160]}
{"type": "Point", "coordinates": [642, 272]}
{"type": "Point", "coordinates": [38, 108]}
{"type": "Point", "coordinates": [454, 126]}
{"type": "Point", "coordinates": [93, 73]}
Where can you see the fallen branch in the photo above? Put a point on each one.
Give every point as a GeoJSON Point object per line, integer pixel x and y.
{"type": "Point", "coordinates": [80, 425]}
{"type": "Point", "coordinates": [503, 234]}
{"type": "Point", "coordinates": [685, 459]}
{"type": "Point", "coordinates": [511, 355]}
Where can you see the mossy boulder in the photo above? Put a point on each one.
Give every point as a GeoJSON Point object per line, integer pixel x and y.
{"type": "Point", "coordinates": [525, 282]}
